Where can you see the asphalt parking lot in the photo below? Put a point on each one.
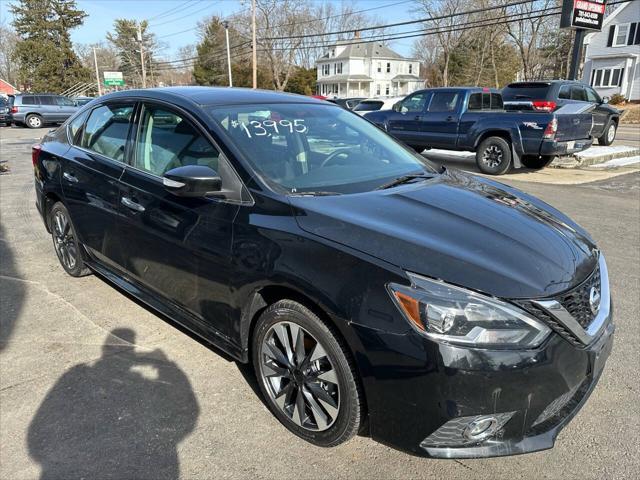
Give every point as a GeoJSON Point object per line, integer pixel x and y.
{"type": "Point", "coordinates": [129, 395]}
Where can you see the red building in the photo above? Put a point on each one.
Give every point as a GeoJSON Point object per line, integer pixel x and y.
{"type": "Point", "coordinates": [7, 89]}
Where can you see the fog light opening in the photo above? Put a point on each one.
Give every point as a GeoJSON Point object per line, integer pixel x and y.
{"type": "Point", "coordinates": [481, 428]}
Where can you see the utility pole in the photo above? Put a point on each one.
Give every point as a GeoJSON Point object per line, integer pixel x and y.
{"type": "Point", "coordinates": [576, 54]}
{"type": "Point", "coordinates": [226, 32]}
{"type": "Point", "coordinates": [253, 41]}
{"type": "Point", "coordinates": [144, 71]}
{"type": "Point", "coordinates": [95, 62]}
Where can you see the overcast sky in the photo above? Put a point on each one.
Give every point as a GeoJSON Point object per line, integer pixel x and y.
{"type": "Point", "coordinates": [184, 14]}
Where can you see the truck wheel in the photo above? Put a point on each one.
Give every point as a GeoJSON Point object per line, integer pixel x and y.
{"type": "Point", "coordinates": [537, 162]}
{"type": "Point", "coordinates": [494, 156]}
{"type": "Point", "coordinates": [609, 134]}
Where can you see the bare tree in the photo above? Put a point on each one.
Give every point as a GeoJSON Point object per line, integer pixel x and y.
{"type": "Point", "coordinates": [8, 66]}
{"type": "Point", "coordinates": [445, 19]}
{"type": "Point", "coordinates": [528, 32]}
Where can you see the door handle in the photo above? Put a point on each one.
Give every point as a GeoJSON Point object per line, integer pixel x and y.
{"type": "Point", "coordinates": [450, 118]}
{"type": "Point", "coordinates": [70, 177]}
{"type": "Point", "coordinates": [133, 205]}
{"type": "Point", "coordinates": [418, 117]}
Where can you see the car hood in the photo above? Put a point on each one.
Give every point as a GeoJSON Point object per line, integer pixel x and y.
{"type": "Point", "coordinates": [463, 229]}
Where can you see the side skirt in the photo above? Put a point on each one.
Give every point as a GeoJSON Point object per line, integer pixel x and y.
{"type": "Point", "coordinates": [173, 312]}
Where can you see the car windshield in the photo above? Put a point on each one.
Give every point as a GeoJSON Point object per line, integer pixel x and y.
{"type": "Point", "coordinates": [316, 149]}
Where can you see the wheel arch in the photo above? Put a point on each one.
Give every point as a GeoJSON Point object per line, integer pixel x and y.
{"type": "Point", "coordinates": [267, 295]}
{"type": "Point", "coordinates": [50, 199]}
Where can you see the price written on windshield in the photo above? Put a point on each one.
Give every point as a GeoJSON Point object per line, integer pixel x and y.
{"type": "Point", "coordinates": [257, 128]}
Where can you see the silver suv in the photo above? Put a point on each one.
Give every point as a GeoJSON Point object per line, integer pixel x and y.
{"type": "Point", "coordinates": [36, 110]}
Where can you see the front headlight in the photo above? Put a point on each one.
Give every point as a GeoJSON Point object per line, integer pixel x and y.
{"type": "Point", "coordinates": [455, 315]}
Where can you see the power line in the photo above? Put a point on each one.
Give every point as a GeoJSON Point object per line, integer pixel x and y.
{"type": "Point", "coordinates": [184, 16]}
{"type": "Point", "coordinates": [169, 11]}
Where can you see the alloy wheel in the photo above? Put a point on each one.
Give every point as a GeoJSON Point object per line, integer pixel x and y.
{"type": "Point", "coordinates": [299, 376]}
{"type": "Point", "coordinates": [611, 133]}
{"type": "Point", "coordinates": [492, 156]}
{"type": "Point", "coordinates": [64, 241]}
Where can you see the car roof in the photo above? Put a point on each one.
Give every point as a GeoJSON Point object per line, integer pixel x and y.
{"type": "Point", "coordinates": [215, 96]}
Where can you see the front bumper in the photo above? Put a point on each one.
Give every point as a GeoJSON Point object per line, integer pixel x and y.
{"type": "Point", "coordinates": [554, 148]}
{"type": "Point", "coordinates": [423, 407]}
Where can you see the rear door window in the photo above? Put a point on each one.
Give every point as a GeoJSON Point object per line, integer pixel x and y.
{"type": "Point", "coordinates": [75, 127]}
{"type": "Point", "coordinates": [47, 100]}
{"type": "Point", "coordinates": [565, 92]}
{"type": "Point", "coordinates": [578, 93]}
{"type": "Point", "coordinates": [444, 102]}
{"type": "Point", "coordinates": [107, 129]}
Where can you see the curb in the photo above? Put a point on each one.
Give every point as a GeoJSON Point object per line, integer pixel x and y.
{"type": "Point", "coordinates": [579, 160]}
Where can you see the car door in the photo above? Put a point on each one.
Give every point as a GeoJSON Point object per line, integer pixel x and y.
{"type": "Point", "coordinates": [49, 109]}
{"type": "Point", "coordinates": [600, 113]}
{"type": "Point", "coordinates": [90, 177]}
{"type": "Point", "coordinates": [66, 107]}
{"type": "Point", "coordinates": [440, 122]}
{"type": "Point", "coordinates": [405, 123]}
{"type": "Point", "coordinates": [178, 247]}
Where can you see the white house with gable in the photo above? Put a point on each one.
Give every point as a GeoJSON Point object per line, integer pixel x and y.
{"type": "Point", "coordinates": [366, 70]}
{"type": "Point", "coordinates": [612, 55]}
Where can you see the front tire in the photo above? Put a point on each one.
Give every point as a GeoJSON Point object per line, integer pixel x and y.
{"type": "Point", "coordinates": [306, 375]}
{"type": "Point", "coordinates": [65, 241]}
{"type": "Point", "coordinates": [33, 121]}
{"type": "Point", "coordinates": [609, 134]}
{"type": "Point", "coordinates": [493, 156]}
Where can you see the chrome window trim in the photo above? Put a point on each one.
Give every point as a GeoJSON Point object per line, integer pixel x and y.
{"type": "Point", "coordinates": [587, 335]}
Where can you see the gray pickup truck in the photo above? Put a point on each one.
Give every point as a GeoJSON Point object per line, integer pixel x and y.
{"type": "Point", "coordinates": [473, 119]}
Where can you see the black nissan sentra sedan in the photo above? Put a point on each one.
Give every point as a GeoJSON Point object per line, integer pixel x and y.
{"type": "Point", "coordinates": [441, 313]}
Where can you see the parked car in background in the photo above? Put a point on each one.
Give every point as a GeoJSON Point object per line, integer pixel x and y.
{"type": "Point", "coordinates": [348, 103]}
{"type": "Point", "coordinates": [35, 110]}
{"type": "Point", "coordinates": [5, 111]}
{"type": "Point", "coordinates": [375, 104]}
{"type": "Point", "coordinates": [473, 119]}
{"type": "Point", "coordinates": [439, 312]}
{"type": "Point", "coordinates": [81, 101]}
{"type": "Point", "coordinates": [548, 96]}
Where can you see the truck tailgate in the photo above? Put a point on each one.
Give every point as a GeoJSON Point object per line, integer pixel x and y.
{"type": "Point", "coordinates": [574, 122]}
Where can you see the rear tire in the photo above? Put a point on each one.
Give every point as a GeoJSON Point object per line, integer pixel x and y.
{"type": "Point", "coordinates": [33, 121]}
{"type": "Point", "coordinates": [609, 134]}
{"type": "Point", "coordinates": [65, 241]}
{"type": "Point", "coordinates": [493, 156]}
{"type": "Point", "coordinates": [537, 162]}
{"type": "Point", "coordinates": [306, 375]}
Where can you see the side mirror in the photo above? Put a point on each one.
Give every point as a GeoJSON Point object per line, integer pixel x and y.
{"type": "Point", "coordinates": [397, 107]}
{"type": "Point", "coordinates": [605, 99]}
{"type": "Point", "coordinates": [192, 181]}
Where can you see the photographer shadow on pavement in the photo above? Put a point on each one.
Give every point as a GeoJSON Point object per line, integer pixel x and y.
{"type": "Point", "coordinates": [120, 417]}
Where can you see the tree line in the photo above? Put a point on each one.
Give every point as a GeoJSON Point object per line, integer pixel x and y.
{"type": "Point", "coordinates": [458, 42]}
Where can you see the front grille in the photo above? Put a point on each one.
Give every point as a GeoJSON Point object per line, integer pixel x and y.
{"type": "Point", "coordinates": [541, 314]}
{"type": "Point", "coordinates": [576, 301]}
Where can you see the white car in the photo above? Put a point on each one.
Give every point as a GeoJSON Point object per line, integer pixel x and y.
{"type": "Point", "coordinates": [373, 104]}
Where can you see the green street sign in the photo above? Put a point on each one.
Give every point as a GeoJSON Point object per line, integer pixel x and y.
{"type": "Point", "coordinates": [112, 79]}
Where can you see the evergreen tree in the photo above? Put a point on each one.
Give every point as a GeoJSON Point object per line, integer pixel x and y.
{"type": "Point", "coordinates": [125, 41]}
{"type": "Point", "coordinates": [47, 62]}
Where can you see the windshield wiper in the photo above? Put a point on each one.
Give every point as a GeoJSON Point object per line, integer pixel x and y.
{"type": "Point", "coordinates": [315, 194]}
{"type": "Point", "coordinates": [405, 179]}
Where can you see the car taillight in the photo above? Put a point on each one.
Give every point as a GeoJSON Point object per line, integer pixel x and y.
{"type": "Point", "coordinates": [550, 131]}
{"type": "Point", "coordinates": [544, 105]}
{"type": "Point", "coordinates": [14, 109]}
{"type": "Point", "coordinates": [35, 153]}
